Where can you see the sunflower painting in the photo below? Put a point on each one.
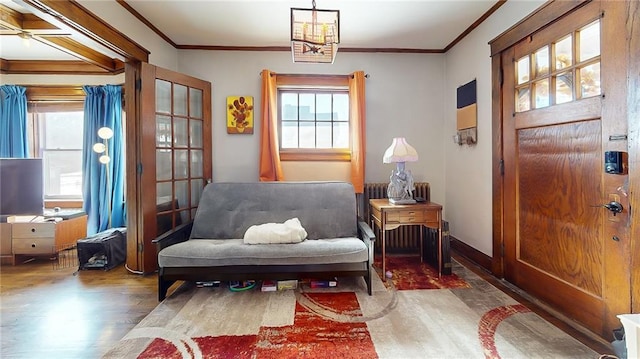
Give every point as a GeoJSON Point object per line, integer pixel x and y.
{"type": "Point", "coordinates": [240, 114]}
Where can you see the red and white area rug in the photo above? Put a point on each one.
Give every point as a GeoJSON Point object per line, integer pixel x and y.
{"type": "Point", "coordinates": [471, 319]}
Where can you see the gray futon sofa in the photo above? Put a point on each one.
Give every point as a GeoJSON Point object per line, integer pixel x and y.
{"type": "Point", "coordinates": [211, 247]}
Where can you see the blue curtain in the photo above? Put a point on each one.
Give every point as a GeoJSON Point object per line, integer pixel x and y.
{"type": "Point", "coordinates": [14, 139]}
{"type": "Point", "coordinates": [103, 184]}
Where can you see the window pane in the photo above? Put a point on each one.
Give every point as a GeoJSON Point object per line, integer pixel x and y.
{"type": "Point", "coordinates": [564, 87]}
{"type": "Point", "coordinates": [163, 131]}
{"type": "Point", "coordinates": [163, 96]}
{"type": "Point", "coordinates": [324, 134]}
{"type": "Point", "coordinates": [542, 93]}
{"type": "Point", "coordinates": [180, 132]}
{"type": "Point", "coordinates": [523, 102]}
{"type": "Point", "coordinates": [589, 45]}
{"type": "Point", "coordinates": [341, 107]}
{"type": "Point", "coordinates": [63, 130]}
{"type": "Point", "coordinates": [63, 173]}
{"type": "Point", "coordinates": [289, 135]}
{"type": "Point", "coordinates": [164, 193]}
{"type": "Point", "coordinates": [522, 68]}
{"type": "Point", "coordinates": [340, 135]}
{"type": "Point", "coordinates": [179, 100]}
{"type": "Point", "coordinates": [590, 80]}
{"type": "Point", "coordinates": [564, 53]}
{"type": "Point", "coordinates": [307, 107]}
{"type": "Point", "coordinates": [542, 61]}
{"type": "Point", "coordinates": [195, 103]}
{"type": "Point", "coordinates": [289, 106]}
{"type": "Point", "coordinates": [307, 135]}
{"type": "Point", "coordinates": [323, 107]}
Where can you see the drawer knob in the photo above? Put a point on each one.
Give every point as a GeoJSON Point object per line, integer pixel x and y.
{"type": "Point", "coordinates": [33, 230]}
{"type": "Point", "coordinates": [33, 245]}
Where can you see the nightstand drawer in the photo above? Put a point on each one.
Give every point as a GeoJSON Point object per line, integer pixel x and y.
{"type": "Point", "coordinates": [33, 245]}
{"type": "Point", "coordinates": [33, 230]}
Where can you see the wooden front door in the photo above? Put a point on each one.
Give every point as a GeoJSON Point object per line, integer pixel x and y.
{"type": "Point", "coordinates": [175, 152]}
{"type": "Point", "coordinates": [563, 107]}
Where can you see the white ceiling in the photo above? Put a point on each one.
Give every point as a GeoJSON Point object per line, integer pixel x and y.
{"type": "Point", "coordinates": [412, 24]}
{"type": "Point", "coordinates": [385, 24]}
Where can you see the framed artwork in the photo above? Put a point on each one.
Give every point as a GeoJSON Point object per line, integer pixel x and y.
{"type": "Point", "coordinates": [240, 114]}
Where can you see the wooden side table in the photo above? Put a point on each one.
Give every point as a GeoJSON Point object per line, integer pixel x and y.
{"type": "Point", "coordinates": [387, 216]}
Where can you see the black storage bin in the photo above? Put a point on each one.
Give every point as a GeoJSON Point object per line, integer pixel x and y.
{"type": "Point", "coordinates": [430, 254]}
{"type": "Point", "coordinates": [104, 250]}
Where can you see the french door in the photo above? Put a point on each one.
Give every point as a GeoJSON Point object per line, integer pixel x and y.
{"type": "Point", "coordinates": [562, 108]}
{"type": "Point", "coordinates": [175, 153]}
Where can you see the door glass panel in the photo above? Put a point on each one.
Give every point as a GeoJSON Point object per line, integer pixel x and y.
{"type": "Point", "coordinates": [195, 103]}
{"type": "Point", "coordinates": [523, 68]}
{"type": "Point", "coordinates": [163, 131]}
{"type": "Point", "coordinates": [164, 195]}
{"type": "Point", "coordinates": [196, 191]}
{"type": "Point", "coordinates": [564, 87]}
{"type": "Point", "coordinates": [179, 100]}
{"type": "Point", "coordinates": [182, 194]}
{"type": "Point", "coordinates": [541, 89]}
{"type": "Point", "coordinates": [180, 132]}
{"type": "Point", "coordinates": [163, 164]}
{"type": "Point", "coordinates": [181, 170]}
{"type": "Point", "coordinates": [542, 61]}
{"type": "Point", "coordinates": [195, 133]}
{"type": "Point", "coordinates": [590, 80]}
{"type": "Point", "coordinates": [564, 53]}
{"type": "Point", "coordinates": [196, 163]}
{"type": "Point", "coordinates": [523, 101]}
{"type": "Point", "coordinates": [163, 96]}
{"type": "Point", "coordinates": [589, 45]}
{"type": "Point", "coordinates": [183, 216]}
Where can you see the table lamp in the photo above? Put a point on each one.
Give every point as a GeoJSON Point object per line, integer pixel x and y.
{"type": "Point", "coordinates": [400, 189]}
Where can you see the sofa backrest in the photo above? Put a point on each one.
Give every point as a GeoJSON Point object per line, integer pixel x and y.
{"type": "Point", "coordinates": [325, 209]}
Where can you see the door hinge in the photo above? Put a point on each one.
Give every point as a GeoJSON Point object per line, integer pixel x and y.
{"type": "Point", "coordinates": [139, 168]}
{"type": "Point", "coordinates": [140, 247]}
{"type": "Point", "coordinates": [138, 84]}
{"type": "Point", "coordinates": [501, 76]}
{"type": "Point", "coordinates": [502, 249]}
{"type": "Point", "coordinates": [501, 167]}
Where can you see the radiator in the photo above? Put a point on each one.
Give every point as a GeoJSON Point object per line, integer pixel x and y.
{"type": "Point", "coordinates": [404, 238]}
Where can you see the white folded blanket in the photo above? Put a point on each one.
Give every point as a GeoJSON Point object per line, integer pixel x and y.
{"type": "Point", "coordinates": [290, 231]}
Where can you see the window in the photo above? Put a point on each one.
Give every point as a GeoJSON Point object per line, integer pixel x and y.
{"type": "Point", "coordinates": [316, 119]}
{"type": "Point", "coordinates": [565, 70]}
{"type": "Point", "coordinates": [59, 144]}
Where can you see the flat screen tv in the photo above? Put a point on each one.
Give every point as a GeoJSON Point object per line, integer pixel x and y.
{"type": "Point", "coordinates": [21, 186]}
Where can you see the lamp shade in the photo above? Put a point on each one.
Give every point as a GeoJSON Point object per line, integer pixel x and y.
{"type": "Point", "coordinates": [400, 151]}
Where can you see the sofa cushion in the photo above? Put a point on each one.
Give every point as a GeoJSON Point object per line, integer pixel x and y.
{"type": "Point", "coordinates": [221, 252]}
{"type": "Point", "coordinates": [227, 210]}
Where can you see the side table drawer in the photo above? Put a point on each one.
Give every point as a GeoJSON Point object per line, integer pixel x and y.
{"type": "Point", "coordinates": [33, 230]}
{"type": "Point", "coordinates": [33, 245]}
{"type": "Point", "coordinates": [407, 216]}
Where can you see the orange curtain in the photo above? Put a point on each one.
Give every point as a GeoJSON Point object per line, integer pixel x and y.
{"type": "Point", "coordinates": [270, 167]}
{"type": "Point", "coordinates": [358, 124]}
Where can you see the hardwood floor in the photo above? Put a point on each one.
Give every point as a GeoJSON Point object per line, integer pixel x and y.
{"type": "Point", "coordinates": [49, 312]}
{"type": "Point", "coordinates": [52, 312]}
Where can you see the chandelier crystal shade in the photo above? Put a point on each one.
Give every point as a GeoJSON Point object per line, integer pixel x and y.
{"type": "Point", "coordinates": [315, 35]}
